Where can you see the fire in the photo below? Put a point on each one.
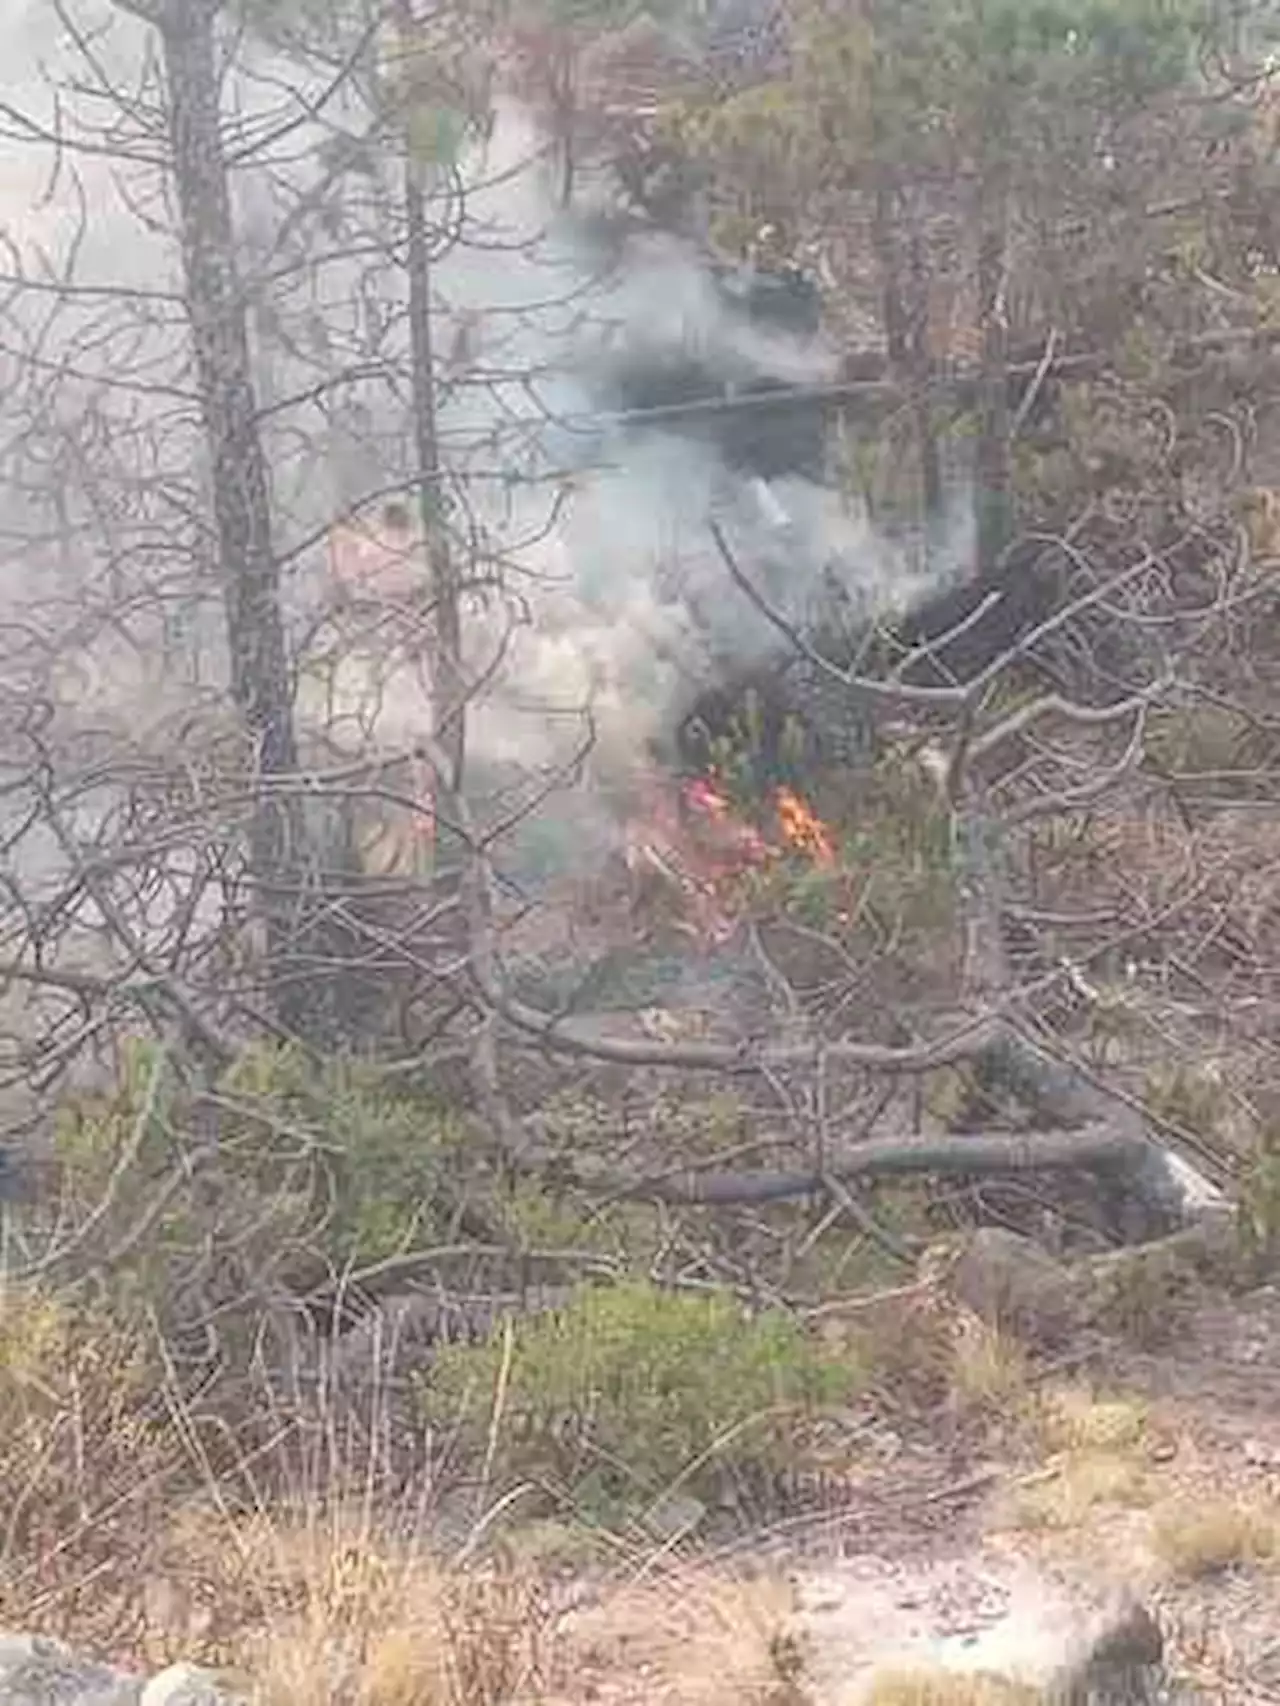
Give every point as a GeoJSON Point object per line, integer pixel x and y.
{"type": "Point", "coordinates": [802, 829]}
{"type": "Point", "coordinates": [696, 840]}
{"type": "Point", "coordinates": [732, 844]}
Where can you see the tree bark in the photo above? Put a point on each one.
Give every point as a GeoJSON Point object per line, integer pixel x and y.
{"type": "Point", "coordinates": [448, 693]}
{"type": "Point", "coordinates": [918, 365]}
{"type": "Point", "coordinates": [992, 488]}
{"type": "Point", "coordinates": [248, 568]}
{"type": "Point", "coordinates": [893, 313]}
{"type": "Point", "coordinates": [903, 316]}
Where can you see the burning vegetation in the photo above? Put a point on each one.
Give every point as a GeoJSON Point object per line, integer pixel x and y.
{"type": "Point", "coordinates": [694, 837]}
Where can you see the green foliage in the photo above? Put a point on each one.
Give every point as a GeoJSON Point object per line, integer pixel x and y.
{"type": "Point", "coordinates": [1258, 1201]}
{"type": "Point", "coordinates": [1192, 1097]}
{"type": "Point", "coordinates": [893, 863]}
{"type": "Point", "coordinates": [389, 1149]}
{"type": "Point", "coordinates": [631, 1390]}
{"type": "Point", "coordinates": [86, 1460]}
{"type": "Point", "coordinates": [880, 93]}
{"type": "Point", "coordinates": [901, 840]}
{"type": "Point", "coordinates": [539, 1217]}
{"type": "Point", "coordinates": [278, 1161]}
{"type": "Point", "coordinates": [741, 757]}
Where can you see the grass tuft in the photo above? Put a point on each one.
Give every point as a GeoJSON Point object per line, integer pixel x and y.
{"type": "Point", "coordinates": [1195, 1539]}
{"type": "Point", "coordinates": [946, 1688]}
{"type": "Point", "coordinates": [1073, 1418]}
{"type": "Point", "coordinates": [990, 1370]}
{"type": "Point", "coordinates": [1073, 1487]}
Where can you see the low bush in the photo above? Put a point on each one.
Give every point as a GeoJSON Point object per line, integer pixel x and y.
{"type": "Point", "coordinates": [1193, 1539]}
{"type": "Point", "coordinates": [631, 1391]}
{"type": "Point", "coordinates": [275, 1169]}
{"type": "Point", "coordinates": [87, 1460]}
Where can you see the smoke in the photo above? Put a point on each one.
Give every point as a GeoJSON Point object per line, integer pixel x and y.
{"type": "Point", "coordinates": [630, 606]}
{"type": "Point", "coordinates": [606, 603]}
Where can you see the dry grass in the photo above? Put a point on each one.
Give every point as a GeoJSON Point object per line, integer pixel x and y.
{"type": "Point", "coordinates": [696, 1637]}
{"type": "Point", "coordinates": [390, 1632]}
{"type": "Point", "coordinates": [86, 1469]}
{"type": "Point", "coordinates": [1073, 1418]}
{"type": "Point", "coordinates": [124, 1537]}
{"type": "Point", "coordinates": [334, 1602]}
{"type": "Point", "coordinates": [326, 1608]}
{"type": "Point", "coordinates": [990, 1370]}
{"type": "Point", "coordinates": [1068, 1492]}
{"type": "Point", "coordinates": [945, 1688]}
{"type": "Point", "coordinates": [322, 1591]}
{"type": "Point", "coordinates": [1093, 1450]}
{"type": "Point", "coordinates": [1192, 1539]}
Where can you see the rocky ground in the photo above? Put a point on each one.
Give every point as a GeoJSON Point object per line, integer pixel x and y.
{"type": "Point", "coordinates": [1161, 1487]}
{"type": "Point", "coordinates": [1040, 1518]}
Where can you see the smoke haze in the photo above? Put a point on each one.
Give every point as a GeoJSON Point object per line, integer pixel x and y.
{"type": "Point", "coordinates": [604, 595]}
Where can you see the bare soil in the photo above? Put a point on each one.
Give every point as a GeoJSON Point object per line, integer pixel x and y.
{"type": "Point", "coordinates": [919, 1544]}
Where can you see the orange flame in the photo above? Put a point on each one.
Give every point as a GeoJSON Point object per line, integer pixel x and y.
{"type": "Point", "coordinates": [736, 843]}
{"type": "Point", "coordinates": [706, 848]}
{"type": "Point", "coordinates": [803, 829]}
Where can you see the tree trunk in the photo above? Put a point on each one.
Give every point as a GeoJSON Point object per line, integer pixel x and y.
{"type": "Point", "coordinates": [893, 314]}
{"type": "Point", "coordinates": [918, 366]}
{"type": "Point", "coordinates": [904, 314]}
{"type": "Point", "coordinates": [991, 489]}
{"type": "Point", "coordinates": [248, 570]}
{"type": "Point", "coordinates": [445, 660]}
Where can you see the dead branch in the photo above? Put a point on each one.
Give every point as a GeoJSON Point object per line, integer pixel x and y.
{"type": "Point", "coordinates": [1104, 1148]}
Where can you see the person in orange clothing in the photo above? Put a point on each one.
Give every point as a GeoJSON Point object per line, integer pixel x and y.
{"type": "Point", "coordinates": [383, 561]}
{"type": "Point", "coordinates": [383, 566]}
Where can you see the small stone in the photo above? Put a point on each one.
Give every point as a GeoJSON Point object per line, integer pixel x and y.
{"type": "Point", "coordinates": [680, 1514]}
{"type": "Point", "coordinates": [1011, 1284]}
{"type": "Point", "coordinates": [186, 1685]}
{"type": "Point", "coordinates": [37, 1671]}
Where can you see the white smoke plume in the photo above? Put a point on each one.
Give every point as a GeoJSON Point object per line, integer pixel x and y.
{"type": "Point", "coordinates": [598, 535]}
{"type": "Point", "coordinates": [628, 595]}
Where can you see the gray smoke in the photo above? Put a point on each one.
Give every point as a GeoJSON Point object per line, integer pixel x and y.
{"type": "Point", "coordinates": [633, 600]}
{"type": "Point", "coordinates": [604, 597]}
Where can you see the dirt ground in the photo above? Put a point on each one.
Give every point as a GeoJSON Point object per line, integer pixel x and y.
{"type": "Point", "coordinates": [944, 1536]}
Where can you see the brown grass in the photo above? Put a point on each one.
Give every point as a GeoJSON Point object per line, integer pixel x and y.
{"type": "Point", "coordinates": [1073, 1417]}
{"type": "Point", "coordinates": [293, 1576]}
{"type": "Point", "coordinates": [86, 1469]}
{"type": "Point", "coordinates": [990, 1370]}
{"type": "Point", "coordinates": [1070, 1490]}
{"type": "Point", "coordinates": [945, 1688]}
{"type": "Point", "coordinates": [1193, 1539]}
{"type": "Point", "coordinates": [383, 1631]}
{"type": "Point", "coordinates": [696, 1637]}
{"type": "Point", "coordinates": [1093, 1451]}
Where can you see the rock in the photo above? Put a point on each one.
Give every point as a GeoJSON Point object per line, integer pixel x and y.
{"type": "Point", "coordinates": [1011, 1284]}
{"type": "Point", "coordinates": [36, 1671]}
{"type": "Point", "coordinates": [678, 1515]}
{"type": "Point", "coordinates": [1054, 1655]}
{"type": "Point", "coordinates": [186, 1685]}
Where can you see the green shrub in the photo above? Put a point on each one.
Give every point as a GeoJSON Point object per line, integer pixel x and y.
{"type": "Point", "coordinates": [631, 1390]}
{"type": "Point", "coordinates": [1258, 1201]}
{"type": "Point", "coordinates": [278, 1168]}
{"type": "Point", "coordinates": [87, 1463]}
